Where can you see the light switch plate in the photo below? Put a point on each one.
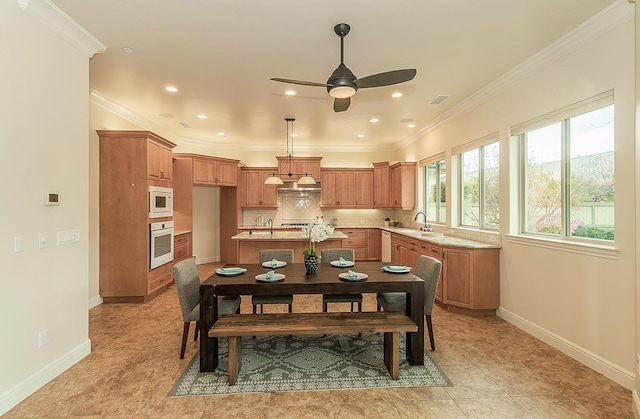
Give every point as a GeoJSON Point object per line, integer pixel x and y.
{"type": "Point", "coordinates": [43, 240]}
{"type": "Point", "coordinates": [18, 244]}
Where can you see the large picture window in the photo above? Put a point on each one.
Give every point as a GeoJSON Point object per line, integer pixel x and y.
{"type": "Point", "coordinates": [479, 177]}
{"type": "Point", "coordinates": [568, 175]}
{"type": "Point", "coordinates": [434, 176]}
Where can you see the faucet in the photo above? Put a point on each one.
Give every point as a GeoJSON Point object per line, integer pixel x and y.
{"type": "Point", "coordinates": [427, 227]}
{"type": "Point", "coordinates": [270, 222]}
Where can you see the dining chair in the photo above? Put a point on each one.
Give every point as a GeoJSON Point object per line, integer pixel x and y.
{"type": "Point", "coordinates": [329, 255]}
{"type": "Point", "coordinates": [428, 269]}
{"type": "Point", "coordinates": [284, 255]}
{"type": "Point", "coordinates": [187, 281]}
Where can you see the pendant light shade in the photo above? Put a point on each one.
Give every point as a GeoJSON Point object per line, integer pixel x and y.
{"type": "Point", "coordinates": [276, 178]}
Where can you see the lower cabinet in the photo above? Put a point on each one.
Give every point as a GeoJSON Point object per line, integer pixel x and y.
{"type": "Point", "coordinates": [181, 247]}
{"type": "Point", "coordinates": [470, 277]}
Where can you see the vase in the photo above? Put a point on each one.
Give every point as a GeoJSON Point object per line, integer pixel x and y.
{"type": "Point", "coordinates": [311, 263]}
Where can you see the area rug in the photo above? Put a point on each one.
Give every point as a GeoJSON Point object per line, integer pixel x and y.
{"type": "Point", "coordinates": [299, 363]}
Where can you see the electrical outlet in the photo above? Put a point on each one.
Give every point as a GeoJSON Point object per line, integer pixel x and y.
{"type": "Point", "coordinates": [43, 338]}
{"type": "Point", "coordinates": [493, 239]}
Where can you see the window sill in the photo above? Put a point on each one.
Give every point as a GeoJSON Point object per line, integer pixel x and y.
{"type": "Point", "coordinates": [608, 252]}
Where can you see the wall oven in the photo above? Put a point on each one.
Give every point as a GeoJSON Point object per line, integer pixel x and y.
{"type": "Point", "coordinates": [160, 202]}
{"type": "Point", "coordinates": [161, 235]}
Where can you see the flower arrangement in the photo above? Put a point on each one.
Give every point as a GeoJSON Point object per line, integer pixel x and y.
{"type": "Point", "coordinates": [315, 232]}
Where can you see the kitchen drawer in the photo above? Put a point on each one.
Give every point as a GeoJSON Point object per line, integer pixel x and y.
{"type": "Point", "coordinates": [180, 252]}
{"type": "Point", "coordinates": [181, 240]}
{"type": "Point", "coordinates": [158, 282]}
{"type": "Point", "coordinates": [356, 238]}
{"type": "Point", "coordinates": [436, 252]}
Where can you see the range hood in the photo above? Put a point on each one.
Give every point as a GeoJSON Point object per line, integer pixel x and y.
{"type": "Point", "coordinates": [294, 186]}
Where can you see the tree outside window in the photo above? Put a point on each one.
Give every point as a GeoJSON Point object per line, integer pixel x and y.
{"type": "Point", "coordinates": [480, 187]}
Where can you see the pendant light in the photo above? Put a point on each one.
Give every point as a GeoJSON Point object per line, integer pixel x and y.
{"type": "Point", "coordinates": [276, 178]}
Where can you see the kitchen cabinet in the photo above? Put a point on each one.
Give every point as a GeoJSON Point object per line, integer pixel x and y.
{"type": "Point", "coordinates": [374, 244]}
{"type": "Point", "coordinates": [357, 240]}
{"type": "Point", "coordinates": [298, 166]}
{"type": "Point", "coordinates": [182, 247]}
{"type": "Point", "coordinates": [470, 277]}
{"type": "Point", "coordinates": [127, 160]}
{"type": "Point", "coordinates": [215, 171]}
{"type": "Point", "coordinates": [404, 176]}
{"type": "Point", "coordinates": [159, 160]}
{"type": "Point", "coordinates": [346, 188]}
{"type": "Point", "coordinates": [256, 194]}
{"type": "Point", "coordinates": [381, 185]}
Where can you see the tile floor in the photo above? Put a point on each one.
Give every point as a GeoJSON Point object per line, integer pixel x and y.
{"type": "Point", "coordinates": [498, 372]}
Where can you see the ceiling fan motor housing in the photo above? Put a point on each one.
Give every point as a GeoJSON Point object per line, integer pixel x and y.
{"type": "Point", "coordinates": [342, 79]}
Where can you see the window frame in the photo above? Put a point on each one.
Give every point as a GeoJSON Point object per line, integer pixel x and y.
{"type": "Point", "coordinates": [441, 168]}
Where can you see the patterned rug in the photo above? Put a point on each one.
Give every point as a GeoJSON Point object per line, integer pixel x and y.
{"type": "Point", "coordinates": [297, 363]}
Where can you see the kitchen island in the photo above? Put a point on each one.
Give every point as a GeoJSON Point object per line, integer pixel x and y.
{"type": "Point", "coordinates": [250, 242]}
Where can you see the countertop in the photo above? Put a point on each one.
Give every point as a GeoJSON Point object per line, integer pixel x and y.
{"type": "Point", "coordinates": [440, 240]}
{"type": "Point", "coordinates": [261, 234]}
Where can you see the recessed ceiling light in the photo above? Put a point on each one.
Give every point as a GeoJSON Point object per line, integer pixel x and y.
{"type": "Point", "coordinates": [171, 89]}
{"type": "Point", "coordinates": [202, 116]}
{"type": "Point", "coordinates": [166, 115]}
{"type": "Point", "coordinates": [396, 94]}
{"type": "Point", "coordinates": [411, 126]}
{"type": "Point", "coordinates": [128, 50]}
{"type": "Point", "coordinates": [374, 120]}
{"type": "Point", "coordinates": [221, 134]}
{"type": "Point", "coordinates": [360, 136]}
{"type": "Point", "coordinates": [290, 92]}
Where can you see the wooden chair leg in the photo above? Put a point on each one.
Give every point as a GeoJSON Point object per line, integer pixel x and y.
{"type": "Point", "coordinates": [195, 334]}
{"type": "Point", "coordinates": [290, 308]}
{"type": "Point", "coordinates": [324, 307]}
{"type": "Point", "coordinates": [359, 306]}
{"type": "Point", "coordinates": [430, 328]}
{"type": "Point", "coordinates": [185, 333]}
{"type": "Point", "coordinates": [255, 308]}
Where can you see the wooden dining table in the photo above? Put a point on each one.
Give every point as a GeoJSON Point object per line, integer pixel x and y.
{"type": "Point", "coordinates": [325, 280]}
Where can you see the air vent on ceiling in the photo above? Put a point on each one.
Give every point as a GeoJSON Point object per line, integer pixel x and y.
{"type": "Point", "coordinates": [439, 99]}
{"type": "Point", "coordinates": [184, 124]}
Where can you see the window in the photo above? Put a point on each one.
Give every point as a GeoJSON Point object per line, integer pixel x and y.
{"type": "Point", "coordinates": [479, 177]}
{"type": "Point", "coordinates": [435, 191]}
{"type": "Point", "coordinates": [568, 173]}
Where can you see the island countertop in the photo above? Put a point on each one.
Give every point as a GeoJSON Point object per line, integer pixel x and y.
{"type": "Point", "coordinates": [282, 235]}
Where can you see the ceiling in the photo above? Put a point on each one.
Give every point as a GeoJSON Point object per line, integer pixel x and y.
{"type": "Point", "coordinates": [221, 55]}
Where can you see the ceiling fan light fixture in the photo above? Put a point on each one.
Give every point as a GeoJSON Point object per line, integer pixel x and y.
{"type": "Point", "coordinates": [342, 92]}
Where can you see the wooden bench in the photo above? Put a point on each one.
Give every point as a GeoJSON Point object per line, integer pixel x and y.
{"type": "Point", "coordinates": [237, 325]}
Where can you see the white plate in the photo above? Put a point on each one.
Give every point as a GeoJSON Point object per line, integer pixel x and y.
{"type": "Point", "coordinates": [396, 269]}
{"type": "Point", "coordinates": [230, 271]}
{"type": "Point", "coordinates": [268, 264]}
{"type": "Point", "coordinates": [346, 277]}
{"type": "Point", "coordinates": [276, 278]}
{"type": "Point", "coordinates": [347, 263]}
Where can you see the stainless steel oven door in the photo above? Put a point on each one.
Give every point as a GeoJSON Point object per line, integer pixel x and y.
{"type": "Point", "coordinates": [161, 243]}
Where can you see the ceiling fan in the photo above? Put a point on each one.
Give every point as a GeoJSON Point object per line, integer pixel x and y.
{"type": "Point", "coordinates": [342, 84]}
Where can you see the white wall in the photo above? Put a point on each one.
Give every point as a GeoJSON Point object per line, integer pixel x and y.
{"type": "Point", "coordinates": [581, 303]}
{"type": "Point", "coordinates": [44, 115]}
{"type": "Point", "coordinates": [206, 221]}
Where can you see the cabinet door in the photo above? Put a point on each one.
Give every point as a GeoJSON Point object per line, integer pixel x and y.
{"type": "Point", "coordinates": [226, 173]}
{"type": "Point", "coordinates": [396, 187]}
{"type": "Point", "coordinates": [329, 197]}
{"type": "Point", "coordinates": [457, 276]}
{"type": "Point", "coordinates": [269, 192]}
{"type": "Point", "coordinates": [166, 163]}
{"type": "Point", "coordinates": [347, 190]}
{"type": "Point", "coordinates": [364, 189]}
{"type": "Point", "coordinates": [381, 186]}
{"type": "Point", "coordinates": [203, 172]}
{"type": "Point", "coordinates": [374, 244]}
{"type": "Point", "coordinates": [357, 240]}
{"type": "Point", "coordinates": [253, 185]}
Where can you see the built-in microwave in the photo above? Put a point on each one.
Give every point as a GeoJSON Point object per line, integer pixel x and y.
{"type": "Point", "coordinates": [161, 241]}
{"type": "Point", "coordinates": [160, 202]}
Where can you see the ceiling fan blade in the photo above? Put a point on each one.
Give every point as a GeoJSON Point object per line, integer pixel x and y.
{"type": "Point", "coordinates": [386, 79]}
{"type": "Point", "coordinates": [304, 83]}
{"type": "Point", "coordinates": [341, 105]}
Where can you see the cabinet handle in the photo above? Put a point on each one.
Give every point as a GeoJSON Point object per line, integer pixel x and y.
{"type": "Point", "coordinates": [161, 175]}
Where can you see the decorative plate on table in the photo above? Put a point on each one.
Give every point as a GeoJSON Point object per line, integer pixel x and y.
{"type": "Point", "coordinates": [279, 264]}
{"type": "Point", "coordinates": [230, 271]}
{"type": "Point", "coordinates": [347, 263]}
{"type": "Point", "coordinates": [276, 278]}
{"type": "Point", "coordinates": [396, 269]}
{"type": "Point", "coordinates": [360, 277]}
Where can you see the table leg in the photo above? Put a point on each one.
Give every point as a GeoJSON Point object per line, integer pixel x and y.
{"type": "Point", "coordinates": [415, 310]}
{"type": "Point", "coordinates": [208, 316]}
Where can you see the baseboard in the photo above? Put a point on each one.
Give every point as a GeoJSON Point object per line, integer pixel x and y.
{"type": "Point", "coordinates": [33, 383]}
{"type": "Point", "coordinates": [200, 260]}
{"type": "Point", "coordinates": [635, 404]}
{"type": "Point", "coordinates": [610, 370]}
{"type": "Point", "coordinates": [95, 301]}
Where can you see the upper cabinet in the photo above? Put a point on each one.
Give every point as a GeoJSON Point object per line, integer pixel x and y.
{"type": "Point", "coordinates": [298, 167]}
{"type": "Point", "coordinates": [256, 193]}
{"type": "Point", "coordinates": [159, 159]}
{"type": "Point", "coordinates": [346, 188]}
{"type": "Point", "coordinates": [214, 171]}
{"type": "Point", "coordinates": [404, 176]}
{"type": "Point", "coordinates": [381, 185]}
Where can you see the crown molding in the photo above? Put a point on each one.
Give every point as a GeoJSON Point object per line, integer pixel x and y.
{"type": "Point", "coordinates": [599, 24]}
{"type": "Point", "coordinates": [59, 22]}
